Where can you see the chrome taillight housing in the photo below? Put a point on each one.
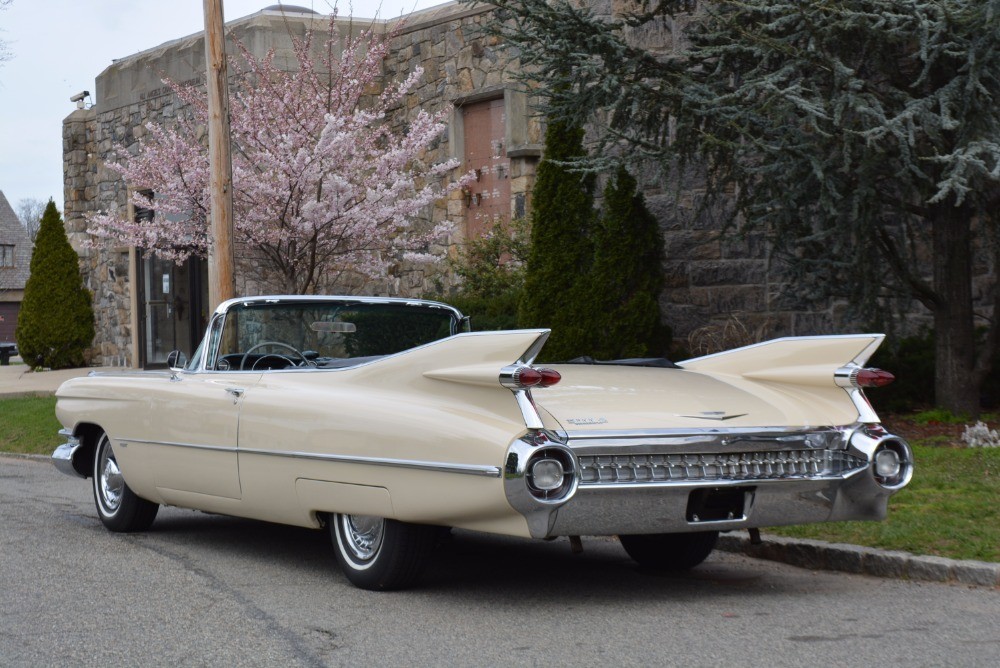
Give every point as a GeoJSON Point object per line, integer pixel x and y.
{"type": "Point", "coordinates": [540, 469]}
{"type": "Point", "coordinates": [890, 458]}
{"type": "Point", "coordinates": [523, 377]}
{"type": "Point", "coordinates": [856, 376]}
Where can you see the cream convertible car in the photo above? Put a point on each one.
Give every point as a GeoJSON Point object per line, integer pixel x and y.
{"type": "Point", "coordinates": [382, 421]}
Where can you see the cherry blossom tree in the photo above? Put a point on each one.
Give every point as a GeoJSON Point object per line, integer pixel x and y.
{"type": "Point", "coordinates": [323, 183]}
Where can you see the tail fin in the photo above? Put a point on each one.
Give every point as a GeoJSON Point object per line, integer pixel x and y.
{"type": "Point", "coordinates": [800, 360]}
{"type": "Point", "coordinates": [472, 358]}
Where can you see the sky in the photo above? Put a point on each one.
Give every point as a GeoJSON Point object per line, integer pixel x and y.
{"type": "Point", "coordinates": [58, 48]}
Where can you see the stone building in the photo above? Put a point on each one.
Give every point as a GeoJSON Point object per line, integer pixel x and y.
{"type": "Point", "coordinates": [15, 266]}
{"type": "Point", "coordinates": [147, 307]}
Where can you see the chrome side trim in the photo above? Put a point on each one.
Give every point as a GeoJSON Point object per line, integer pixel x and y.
{"type": "Point", "coordinates": [532, 352]}
{"type": "Point", "coordinates": [846, 377]}
{"type": "Point", "coordinates": [866, 413]}
{"type": "Point", "coordinates": [865, 354]}
{"type": "Point", "coordinates": [532, 420]}
{"type": "Point", "coordinates": [440, 467]}
{"type": "Point", "coordinates": [193, 446]}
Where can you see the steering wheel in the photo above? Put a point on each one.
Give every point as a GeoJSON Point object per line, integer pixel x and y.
{"type": "Point", "coordinates": [266, 362]}
{"type": "Point", "coordinates": [243, 362]}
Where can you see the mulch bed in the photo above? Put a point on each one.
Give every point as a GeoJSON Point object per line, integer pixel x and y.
{"type": "Point", "coordinates": [912, 430]}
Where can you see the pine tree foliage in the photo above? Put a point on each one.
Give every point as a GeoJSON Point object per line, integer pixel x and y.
{"type": "Point", "coordinates": [562, 216]}
{"type": "Point", "coordinates": [56, 322]}
{"type": "Point", "coordinates": [863, 136]}
{"type": "Point", "coordinates": [627, 276]}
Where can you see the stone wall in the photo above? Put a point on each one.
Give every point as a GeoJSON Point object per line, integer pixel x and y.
{"type": "Point", "coordinates": [86, 184]}
{"type": "Point", "coordinates": [461, 65]}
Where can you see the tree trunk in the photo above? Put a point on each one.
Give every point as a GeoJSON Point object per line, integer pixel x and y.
{"type": "Point", "coordinates": [955, 385]}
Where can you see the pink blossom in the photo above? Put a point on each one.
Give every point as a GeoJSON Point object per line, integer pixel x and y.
{"type": "Point", "coordinates": [322, 181]}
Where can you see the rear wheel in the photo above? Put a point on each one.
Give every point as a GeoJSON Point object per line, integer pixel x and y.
{"type": "Point", "coordinates": [670, 551]}
{"type": "Point", "coordinates": [380, 554]}
{"type": "Point", "coordinates": [117, 505]}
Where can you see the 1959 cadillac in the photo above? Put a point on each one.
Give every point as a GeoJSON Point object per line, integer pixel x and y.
{"type": "Point", "coordinates": [381, 420]}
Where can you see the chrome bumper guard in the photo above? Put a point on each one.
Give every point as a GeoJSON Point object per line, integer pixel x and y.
{"type": "Point", "coordinates": [63, 455]}
{"type": "Point", "coordinates": [718, 479]}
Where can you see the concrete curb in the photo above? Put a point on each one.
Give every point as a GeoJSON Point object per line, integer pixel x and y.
{"type": "Point", "coordinates": [820, 555]}
{"type": "Point", "coordinates": [23, 455]}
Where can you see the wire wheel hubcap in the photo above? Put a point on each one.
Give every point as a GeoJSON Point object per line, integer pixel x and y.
{"type": "Point", "coordinates": [362, 535]}
{"type": "Point", "coordinates": [111, 484]}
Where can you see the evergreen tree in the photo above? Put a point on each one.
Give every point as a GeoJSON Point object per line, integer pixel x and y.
{"type": "Point", "coordinates": [856, 134]}
{"type": "Point", "coordinates": [562, 217]}
{"type": "Point", "coordinates": [56, 321]}
{"type": "Point", "coordinates": [627, 277]}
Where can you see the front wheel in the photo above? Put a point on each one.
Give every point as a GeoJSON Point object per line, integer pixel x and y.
{"type": "Point", "coordinates": [380, 554]}
{"type": "Point", "coordinates": [117, 505]}
{"type": "Point", "coordinates": [670, 551]}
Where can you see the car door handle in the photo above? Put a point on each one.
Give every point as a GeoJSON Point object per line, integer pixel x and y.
{"type": "Point", "coordinates": [237, 392]}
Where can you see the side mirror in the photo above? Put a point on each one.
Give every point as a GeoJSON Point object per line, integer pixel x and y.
{"type": "Point", "coordinates": [176, 360]}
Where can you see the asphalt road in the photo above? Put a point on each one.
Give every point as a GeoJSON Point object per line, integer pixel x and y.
{"type": "Point", "coordinates": [208, 590]}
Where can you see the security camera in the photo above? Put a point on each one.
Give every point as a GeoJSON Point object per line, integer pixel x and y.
{"type": "Point", "coordinates": [79, 96]}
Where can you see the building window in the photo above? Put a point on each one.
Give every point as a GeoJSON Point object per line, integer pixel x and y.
{"type": "Point", "coordinates": [6, 255]}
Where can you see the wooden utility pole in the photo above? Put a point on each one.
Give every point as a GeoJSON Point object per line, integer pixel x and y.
{"type": "Point", "coordinates": [221, 281]}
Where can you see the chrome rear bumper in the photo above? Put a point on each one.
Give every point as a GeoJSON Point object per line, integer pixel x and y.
{"type": "Point", "coordinates": [674, 482]}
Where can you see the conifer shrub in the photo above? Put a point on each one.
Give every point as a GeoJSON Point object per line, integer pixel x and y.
{"type": "Point", "coordinates": [627, 276]}
{"type": "Point", "coordinates": [56, 322]}
{"type": "Point", "coordinates": [562, 218]}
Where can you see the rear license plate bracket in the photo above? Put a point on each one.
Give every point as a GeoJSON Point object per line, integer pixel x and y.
{"type": "Point", "coordinates": [718, 504]}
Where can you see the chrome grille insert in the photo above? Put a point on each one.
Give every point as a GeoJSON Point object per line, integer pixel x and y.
{"type": "Point", "coordinates": [772, 465]}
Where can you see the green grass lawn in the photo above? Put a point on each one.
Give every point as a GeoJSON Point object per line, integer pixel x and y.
{"type": "Point", "coordinates": [950, 509]}
{"type": "Point", "coordinates": [29, 425]}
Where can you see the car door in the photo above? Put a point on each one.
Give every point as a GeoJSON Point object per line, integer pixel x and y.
{"type": "Point", "coordinates": [192, 431]}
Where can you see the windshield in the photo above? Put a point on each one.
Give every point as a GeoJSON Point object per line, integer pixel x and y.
{"type": "Point", "coordinates": [259, 336]}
